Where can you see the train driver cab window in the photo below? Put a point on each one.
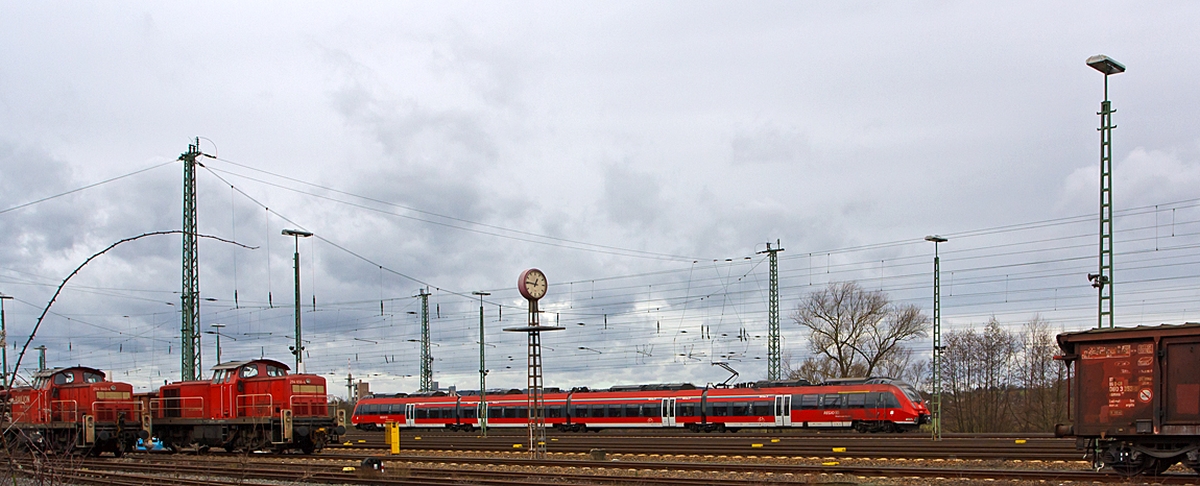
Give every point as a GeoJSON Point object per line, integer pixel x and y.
{"type": "Point", "coordinates": [273, 370]}
{"type": "Point", "coordinates": [249, 371]}
{"type": "Point", "coordinates": [888, 400]}
{"type": "Point", "coordinates": [64, 378]}
{"type": "Point", "coordinates": [89, 377]}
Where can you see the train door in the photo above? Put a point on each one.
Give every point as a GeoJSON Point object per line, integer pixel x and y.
{"type": "Point", "coordinates": [783, 410]}
{"type": "Point", "coordinates": [410, 414]}
{"type": "Point", "coordinates": [668, 412]}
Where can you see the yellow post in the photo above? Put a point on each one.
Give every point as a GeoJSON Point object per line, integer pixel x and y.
{"type": "Point", "coordinates": [387, 432]}
{"type": "Point", "coordinates": [394, 437]}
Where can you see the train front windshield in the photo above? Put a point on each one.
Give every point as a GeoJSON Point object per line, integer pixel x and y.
{"type": "Point", "coordinates": [910, 392]}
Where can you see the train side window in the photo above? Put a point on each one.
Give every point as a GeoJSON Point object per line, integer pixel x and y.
{"type": "Point", "coordinates": [685, 410]}
{"type": "Point", "coordinates": [422, 413]}
{"type": "Point", "coordinates": [522, 412]}
{"type": "Point", "coordinates": [856, 400]}
{"type": "Point", "coordinates": [633, 410]}
{"type": "Point", "coordinates": [831, 401]}
{"type": "Point", "coordinates": [761, 409]}
{"type": "Point", "coordinates": [614, 411]}
{"type": "Point", "coordinates": [554, 412]}
{"type": "Point", "coordinates": [810, 402]}
{"type": "Point", "coordinates": [581, 411]}
{"type": "Point", "coordinates": [720, 410]}
{"type": "Point", "coordinates": [249, 371]}
{"type": "Point", "coordinates": [468, 412]}
{"type": "Point", "coordinates": [740, 409]}
{"type": "Point", "coordinates": [655, 410]}
{"type": "Point", "coordinates": [888, 400]}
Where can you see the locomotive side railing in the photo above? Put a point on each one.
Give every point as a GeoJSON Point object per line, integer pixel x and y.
{"type": "Point", "coordinates": [256, 405]}
{"type": "Point", "coordinates": [177, 407]}
{"type": "Point", "coordinates": [64, 411]}
{"type": "Point", "coordinates": [309, 405]}
{"type": "Point", "coordinates": [110, 410]}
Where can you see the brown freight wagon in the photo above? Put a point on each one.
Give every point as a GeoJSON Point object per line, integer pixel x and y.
{"type": "Point", "coordinates": [1135, 396]}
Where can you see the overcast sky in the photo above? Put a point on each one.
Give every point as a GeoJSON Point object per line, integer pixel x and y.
{"type": "Point", "coordinates": [640, 154]}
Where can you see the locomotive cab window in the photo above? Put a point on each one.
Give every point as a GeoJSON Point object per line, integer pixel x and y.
{"type": "Point", "coordinates": [89, 377]}
{"type": "Point", "coordinates": [249, 371]}
{"type": "Point", "coordinates": [64, 378]}
{"type": "Point", "coordinates": [218, 375]}
{"type": "Point", "coordinates": [273, 370]}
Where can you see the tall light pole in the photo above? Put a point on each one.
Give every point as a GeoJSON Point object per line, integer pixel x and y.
{"type": "Point", "coordinates": [1103, 280]}
{"type": "Point", "coordinates": [298, 349]}
{"type": "Point", "coordinates": [482, 369]}
{"type": "Point", "coordinates": [4, 338]}
{"type": "Point", "coordinates": [937, 337]}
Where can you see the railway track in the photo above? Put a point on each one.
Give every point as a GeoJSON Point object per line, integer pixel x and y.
{"type": "Point", "coordinates": [890, 446]}
{"type": "Point", "coordinates": [221, 469]}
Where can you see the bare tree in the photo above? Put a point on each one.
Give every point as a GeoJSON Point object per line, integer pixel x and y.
{"type": "Point", "coordinates": [978, 378]}
{"type": "Point", "coordinates": [855, 332]}
{"type": "Point", "coordinates": [1042, 380]}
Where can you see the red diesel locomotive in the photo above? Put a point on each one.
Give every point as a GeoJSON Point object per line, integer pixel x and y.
{"type": "Point", "coordinates": [1135, 396]}
{"type": "Point", "coordinates": [247, 405]}
{"type": "Point", "coordinates": [865, 405]}
{"type": "Point", "coordinates": [72, 410]}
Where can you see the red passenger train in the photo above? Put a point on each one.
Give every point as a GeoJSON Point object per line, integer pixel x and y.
{"type": "Point", "coordinates": [865, 405]}
{"type": "Point", "coordinates": [72, 410]}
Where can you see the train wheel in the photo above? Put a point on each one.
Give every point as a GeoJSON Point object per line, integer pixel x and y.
{"type": "Point", "coordinates": [1161, 465]}
{"type": "Point", "coordinates": [1127, 462]}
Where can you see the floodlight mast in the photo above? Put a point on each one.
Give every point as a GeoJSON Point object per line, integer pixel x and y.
{"type": "Point", "coordinates": [936, 413]}
{"type": "Point", "coordinates": [1103, 279]}
{"type": "Point", "coordinates": [298, 349]}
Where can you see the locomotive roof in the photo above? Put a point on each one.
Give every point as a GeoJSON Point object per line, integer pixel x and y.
{"type": "Point", "coordinates": [46, 373]}
{"type": "Point", "coordinates": [230, 365]}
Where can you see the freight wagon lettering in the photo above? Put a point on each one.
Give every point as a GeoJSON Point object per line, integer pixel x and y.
{"type": "Point", "coordinates": [1145, 348]}
{"type": "Point", "coordinates": [1145, 361]}
{"type": "Point", "coordinates": [1106, 352]}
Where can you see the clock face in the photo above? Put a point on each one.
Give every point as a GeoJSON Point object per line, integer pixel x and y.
{"type": "Point", "coordinates": [532, 284]}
